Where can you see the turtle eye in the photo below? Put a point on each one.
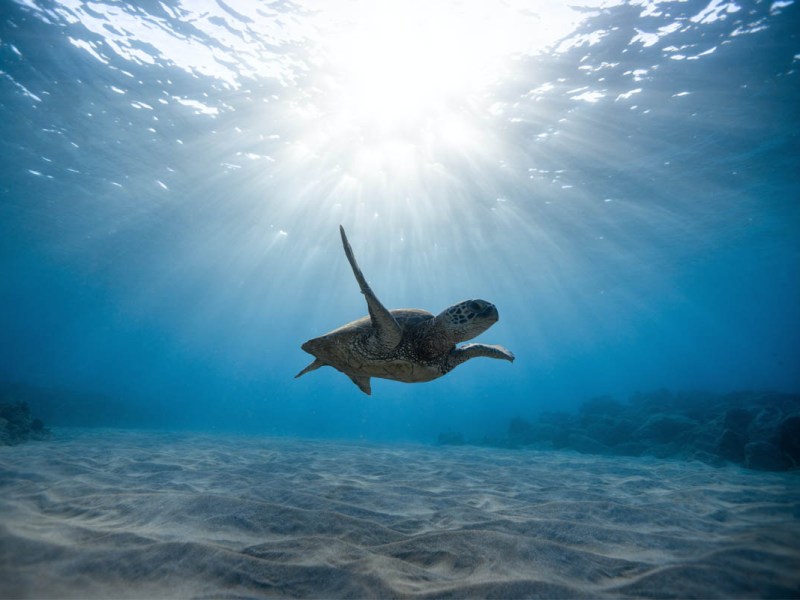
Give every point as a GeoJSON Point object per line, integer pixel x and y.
{"type": "Point", "coordinates": [474, 306]}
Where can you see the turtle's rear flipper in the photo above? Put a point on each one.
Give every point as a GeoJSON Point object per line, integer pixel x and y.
{"type": "Point", "coordinates": [362, 383]}
{"type": "Point", "coordinates": [315, 364]}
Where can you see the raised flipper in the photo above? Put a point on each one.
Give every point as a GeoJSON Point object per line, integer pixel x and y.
{"type": "Point", "coordinates": [387, 331]}
{"type": "Point", "coordinates": [467, 351]}
{"type": "Point", "coordinates": [362, 383]}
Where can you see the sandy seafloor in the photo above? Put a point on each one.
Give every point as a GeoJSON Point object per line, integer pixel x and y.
{"type": "Point", "coordinates": [114, 514]}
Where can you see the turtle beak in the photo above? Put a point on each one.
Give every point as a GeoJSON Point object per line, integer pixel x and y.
{"type": "Point", "coordinates": [311, 346]}
{"type": "Point", "coordinates": [490, 312]}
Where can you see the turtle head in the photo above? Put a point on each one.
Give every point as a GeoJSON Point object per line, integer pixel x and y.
{"type": "Point", "coordinates": [467, 319]}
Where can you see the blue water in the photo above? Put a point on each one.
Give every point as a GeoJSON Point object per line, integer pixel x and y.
{"type": "Point", "coordinates": [621, 181]}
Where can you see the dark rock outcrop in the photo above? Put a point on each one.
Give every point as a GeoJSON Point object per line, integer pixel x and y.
{"type": "Point", "coordinates": [731, 446]}
{"type": "Point", "coordinates": [753, 429]}
{"type": "Point", "coordinates": [789, 439]}
{"type": "Point", "coordinates": [17, 425]}
{"type": "Point", "coordinates": [764, 456]}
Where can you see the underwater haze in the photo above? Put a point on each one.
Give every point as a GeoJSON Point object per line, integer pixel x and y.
{"type": "Point", "coordinates": [619, 178]}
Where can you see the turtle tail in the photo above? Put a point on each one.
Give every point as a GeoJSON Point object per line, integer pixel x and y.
{"type": "Point", "coordinates": [315, 364]}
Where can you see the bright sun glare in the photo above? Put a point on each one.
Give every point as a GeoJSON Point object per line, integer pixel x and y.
{"type": "Point", "coordinates": [415, 70]}
{"type": "Point", "coordinates": [396, 72]}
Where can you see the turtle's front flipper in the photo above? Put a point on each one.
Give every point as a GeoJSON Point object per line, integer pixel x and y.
{"type": "Point", "coordinates": [387, 330]}
{"type": "Point", "coordinates": [467, 351]}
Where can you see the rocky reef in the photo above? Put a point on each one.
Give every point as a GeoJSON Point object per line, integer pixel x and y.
{"type": "Point", "coordinates": [63, 407]}
{"type": "Point", "coordinates": [17, 425]}
{"type": "Point", "coordinates": [758, 430]}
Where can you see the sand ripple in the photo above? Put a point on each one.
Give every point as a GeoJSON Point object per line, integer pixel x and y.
{"type": "Point", "coordinates": [127, 514]}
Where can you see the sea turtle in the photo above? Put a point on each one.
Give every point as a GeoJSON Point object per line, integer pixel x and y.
{"type": "Point", "coordinates": [406, 344]}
